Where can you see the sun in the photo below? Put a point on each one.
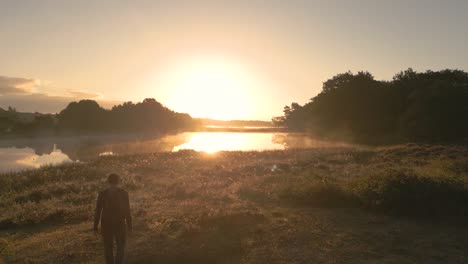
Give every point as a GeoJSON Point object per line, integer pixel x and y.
{"type": "Point", "coordinates": [211, 87]}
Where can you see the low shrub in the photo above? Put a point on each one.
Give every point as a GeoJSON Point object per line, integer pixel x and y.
{"type": "Point", "coordinates": [406, 193]}
{"type": "Point", "coordinates": [318, 194]}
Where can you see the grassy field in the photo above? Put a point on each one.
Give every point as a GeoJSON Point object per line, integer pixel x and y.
{"type": "Point", "coordinates": [398, 204]}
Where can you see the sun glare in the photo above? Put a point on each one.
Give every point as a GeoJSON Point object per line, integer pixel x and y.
{"type": "Point", "coordinates": [227, 141]}
{"type": "Point", "coordinates": [211, 87]}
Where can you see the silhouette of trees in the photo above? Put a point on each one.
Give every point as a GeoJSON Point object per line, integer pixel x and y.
{"type": "Point", "coordinates": [86, 116]}
{"type": "Point", "coordinates": [429, 106]}
{"type": "Point", "coordinates": [13, 122]}
{"type": "Point", "coordinates": [436, 105]}
{"type": "Point", "coordinates": [147, 116]}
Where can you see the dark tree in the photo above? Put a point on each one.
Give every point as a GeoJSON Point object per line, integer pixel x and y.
{"type": "Point", "coordinates": [85, 115]}
{"type": "Point", "coordinates": [429, 106]}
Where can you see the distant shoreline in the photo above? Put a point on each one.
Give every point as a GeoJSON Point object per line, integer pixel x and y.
{"type": "Point", "coordinates": [146, 135]}
{"type": "Point", "coordinates": [251, 129]}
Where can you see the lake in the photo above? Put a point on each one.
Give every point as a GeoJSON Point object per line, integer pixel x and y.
{"type": "Point", "coordinates": [31, 153]}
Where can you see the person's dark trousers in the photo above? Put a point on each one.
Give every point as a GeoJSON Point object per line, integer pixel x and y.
{"type": "Point", "coordinates": [117, 233]}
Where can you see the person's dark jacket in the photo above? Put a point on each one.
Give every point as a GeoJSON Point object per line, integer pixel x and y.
{"type": "Point", "coordinates": [113, 209]}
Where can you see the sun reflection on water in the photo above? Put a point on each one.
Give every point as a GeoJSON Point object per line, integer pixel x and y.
{"type": "Point", "coordinates": [212, 142]}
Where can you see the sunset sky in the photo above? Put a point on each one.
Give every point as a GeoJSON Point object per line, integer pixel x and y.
{"type": "Point", "coordinates": [218, 59]}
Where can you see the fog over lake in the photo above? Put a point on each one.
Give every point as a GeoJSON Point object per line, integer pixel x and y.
{"type": "Point", "coordinates": [32, 153]}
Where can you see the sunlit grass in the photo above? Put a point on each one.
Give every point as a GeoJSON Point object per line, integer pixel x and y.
{"type": "Point", "coordinates": [248, 207]}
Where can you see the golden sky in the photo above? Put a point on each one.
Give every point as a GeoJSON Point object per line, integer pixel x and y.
{"type": "Point", "coordinates": [218, 59]}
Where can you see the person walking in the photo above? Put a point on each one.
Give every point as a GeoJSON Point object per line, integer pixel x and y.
{"type": "Point", "coordinates": [113, 211]}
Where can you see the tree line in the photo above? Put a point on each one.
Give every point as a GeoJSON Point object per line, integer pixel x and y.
{"type": "Point", "coordinates": [87, 116]}
{"type": "Point", "coordinates": [429, 106]}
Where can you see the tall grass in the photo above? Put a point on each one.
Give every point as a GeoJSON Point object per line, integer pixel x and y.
{"type": "Point", "coordinates": [204, 207]}
{"type": "Point", "coordinates": [404, 180]}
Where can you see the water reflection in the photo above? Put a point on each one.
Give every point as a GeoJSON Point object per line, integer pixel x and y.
{"type": "Point", "coordinates": [211, 142]}
{"type": "Point", "coordinates": [301, 141]}
{"type": "Point", "coordinates": [30, 153]}
{"type": "Point", "coordinates": [15, 159]}
{"type": "Point", "coordinates": [88, 147]}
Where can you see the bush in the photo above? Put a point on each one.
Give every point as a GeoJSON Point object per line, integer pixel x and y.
{"type": "Point", "coordinates": [405, 193]}
{"type": "Point", "coordinates": [318, 194]}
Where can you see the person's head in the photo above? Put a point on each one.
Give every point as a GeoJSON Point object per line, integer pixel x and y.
{"type": "Point", "coordinates": [113, 179]}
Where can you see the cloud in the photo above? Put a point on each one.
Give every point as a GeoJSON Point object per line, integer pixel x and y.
{"type": "Point", "coordinates": [13, 85]}
{"type": "Point", "coordinates": [83, 94]}
{"type": "Point", "coordinates": [20, 94]}
{"type": "Point", "coordinates": [44, 103]}
{"type": "Point", "coordinates": [35, 102]}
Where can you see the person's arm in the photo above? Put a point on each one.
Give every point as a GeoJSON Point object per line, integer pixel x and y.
{"type": "Point", "coordinates": [97, 213]}
{"type": "Point", "coordinates": [128, 215]}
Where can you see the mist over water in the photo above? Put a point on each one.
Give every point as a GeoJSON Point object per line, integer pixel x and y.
{"type": "Point", "coordinates": [32, 153]}
{"type": "Point", "coordinates": [229, 141]}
